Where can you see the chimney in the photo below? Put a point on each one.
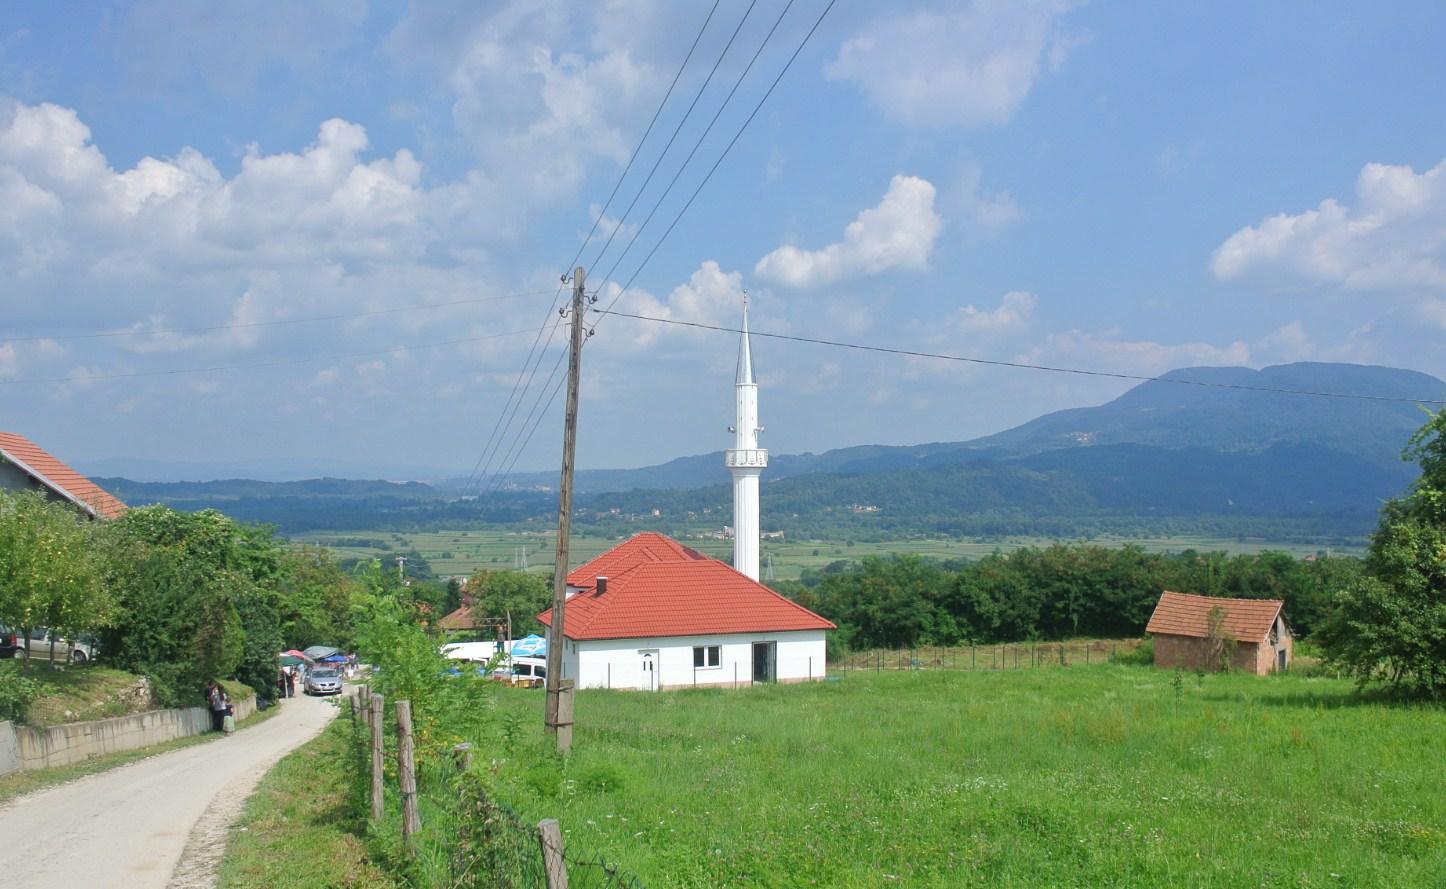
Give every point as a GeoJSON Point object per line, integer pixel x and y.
{"type": "Point", "coordinates": [602, 586]}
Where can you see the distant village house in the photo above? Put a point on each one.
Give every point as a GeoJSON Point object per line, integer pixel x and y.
{"type": "Point", "coordinates": [1205, 632]}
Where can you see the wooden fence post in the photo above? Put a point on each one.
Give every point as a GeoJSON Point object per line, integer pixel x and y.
{"type": "Point", "coordinates": [376, 718]}
{"type": "Point", "coordinates": [549, 834]}
{"type": "Point", "coordinates": [407, 775]}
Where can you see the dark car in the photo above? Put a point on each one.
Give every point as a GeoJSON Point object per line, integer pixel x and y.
{"type": "Point", "coordinates": [12, 644]}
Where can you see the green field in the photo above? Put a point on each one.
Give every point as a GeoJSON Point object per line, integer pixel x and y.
{"type": "Point", "coordinates": [1105, 775]}
{"type": "Point", "coordinates": [462, 552]}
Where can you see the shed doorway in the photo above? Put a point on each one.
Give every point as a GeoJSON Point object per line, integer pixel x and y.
{"type": "Point", "coordinates": [648, 680]}
{"type": "Point", "coordinates": [765, 661]}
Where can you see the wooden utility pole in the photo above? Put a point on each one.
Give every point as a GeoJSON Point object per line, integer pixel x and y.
{"type": "Point", "coordinates": [555, 690]}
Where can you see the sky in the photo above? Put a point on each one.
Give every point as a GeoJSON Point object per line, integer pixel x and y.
{"type": "Point", "coordinates": [283, 240]}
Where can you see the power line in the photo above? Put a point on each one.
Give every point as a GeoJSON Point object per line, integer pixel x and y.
{"type": "Point", "coordinates": [676, 130]}
{"type": "Point", "coordinates": [915, 353]}
{"type": "Point", "coordinates": [699, 143]}
{"type": "Point", "coordinates": [215, 327]}
{"type": "Point", "coordinates": [619, 184]}
{"type": "Point", "coordinates": [501, 479]}
{"type": "Point", "coordinates": [89, 378]}
{"type": "Point", "coordinates": [728, 148]}
{"type": "Point", "coordinates": [514, 398]}
{"type": "Point", "coordinates": [519, 444]}
{"type": "Point", "coordinates": [708, 176]}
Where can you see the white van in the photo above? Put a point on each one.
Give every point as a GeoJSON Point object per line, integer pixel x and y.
{"type": "Point", "coordinates": [529, 672]}
{"type": "Point", "coordinates": [476, 652]}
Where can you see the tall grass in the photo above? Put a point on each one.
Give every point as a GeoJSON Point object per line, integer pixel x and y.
{"type": "Point", "coordinates": [1105, 775]}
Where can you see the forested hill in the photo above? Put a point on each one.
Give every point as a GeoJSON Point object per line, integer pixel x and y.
{"type": "Point", "coordinates": [1162, 458]}
{"type": "Point", "coordinates": [1170, 415]}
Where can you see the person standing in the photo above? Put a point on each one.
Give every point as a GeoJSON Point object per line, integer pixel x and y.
{"type": "Point", "coordinates": [291, 682]}
{"type": "Point", "coordinates": [216, 698]}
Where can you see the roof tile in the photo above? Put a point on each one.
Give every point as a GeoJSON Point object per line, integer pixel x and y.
{"type": "Point", "coordinates": [1185, 614]}
{"type": "Point", "coordinates": [57, 476]}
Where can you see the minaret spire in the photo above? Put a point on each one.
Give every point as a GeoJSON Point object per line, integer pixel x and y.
{"type": "Point", "coordinates": [745, 460]}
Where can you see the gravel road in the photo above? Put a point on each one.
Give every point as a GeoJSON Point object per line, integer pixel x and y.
{"type": "Point", "coordinates": [159, 823]}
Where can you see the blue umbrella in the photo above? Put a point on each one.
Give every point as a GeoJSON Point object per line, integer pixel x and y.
{"type": "Point", "coordinates": [529, 646]}
{"type": "Point", "coordinates": [334, 659]}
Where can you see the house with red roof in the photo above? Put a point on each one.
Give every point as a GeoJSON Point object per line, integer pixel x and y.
{"type": "Point", "coordinates": [1202, 632]}
{"type": "Point", "coordinates": [653, 614]}
{"type": "Point", "coordinates": [25, 466]}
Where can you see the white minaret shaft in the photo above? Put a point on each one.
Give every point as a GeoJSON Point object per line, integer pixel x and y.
{"type": "Point", "coordinates": [746, 460]}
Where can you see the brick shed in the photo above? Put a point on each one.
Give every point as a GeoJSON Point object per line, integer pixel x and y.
{"type": "Point", "coordinates": [1259, 638]}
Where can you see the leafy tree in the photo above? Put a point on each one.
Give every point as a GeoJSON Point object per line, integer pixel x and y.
{"type": "Point", "coordinates": [1391, 625]}
{"type": "Point", "coordinates": [513, 596]}
{"type": "Point", "coordinates": [50, 569]}
{"type": "Point", "coordinates": [198, 600]}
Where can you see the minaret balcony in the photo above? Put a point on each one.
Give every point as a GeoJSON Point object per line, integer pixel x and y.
{"type": "Point", "coordinates": [745, 458]}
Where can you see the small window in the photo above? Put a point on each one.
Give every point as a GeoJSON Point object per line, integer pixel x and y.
{"type": "Point", "coordinates": [707, 655]}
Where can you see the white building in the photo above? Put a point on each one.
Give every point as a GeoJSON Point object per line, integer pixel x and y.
{"type": "Point", "coordinates": [745, 460]}
{"type": "Point", "coordinates": [652, 614]}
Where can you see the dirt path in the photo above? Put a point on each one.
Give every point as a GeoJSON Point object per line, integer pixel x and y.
{"type": "Point", "coordinates": [129, 827]}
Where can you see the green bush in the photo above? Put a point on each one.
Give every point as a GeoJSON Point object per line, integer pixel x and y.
{"type": "Point", "coordinates": [1142, 655]}
{"type": "Point", "coordinates": [17, 692]}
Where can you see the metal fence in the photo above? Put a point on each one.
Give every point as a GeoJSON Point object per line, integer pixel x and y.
{"type": "Point", "coordinates": [1001, 656]}
{"type": "Point", "coordinates": [453, 832]}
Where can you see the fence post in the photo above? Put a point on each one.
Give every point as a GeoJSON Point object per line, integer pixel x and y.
{"type": "Point", "coordinates": [1087, 652]}
{"type": "Point", "coordinates": [810, 668]}
{"type": "Point", "coordinates": [1061, 654]}
{"type": "Point", "coordinates": [735, 675]}
{"type": "Point", "coordinates": [376, 719]}
{"type": "Point", "coordinates": [365, 694]}
{"type": "Point", "coordinates": [407, 773]}
{"type": "Point", "coordinates": [971, 655]}
{"type": "Point", "coordinates": [554, 865]}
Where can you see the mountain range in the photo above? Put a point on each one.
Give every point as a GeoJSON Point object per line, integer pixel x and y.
{"type": "Point", "coordinates": [1316, 446]}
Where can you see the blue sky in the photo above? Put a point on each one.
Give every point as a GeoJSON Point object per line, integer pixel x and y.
{"type": "Point", "coordinates": [1120, 187]}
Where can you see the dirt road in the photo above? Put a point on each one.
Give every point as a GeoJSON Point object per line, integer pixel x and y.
{"type": "Point", "coordinates": [157, 823]}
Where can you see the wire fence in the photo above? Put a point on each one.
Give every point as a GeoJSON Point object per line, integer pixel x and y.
{"type": "Point", "coordinates": [464, 837]}
{"type": "Point", "coordinates": [1001, 656]}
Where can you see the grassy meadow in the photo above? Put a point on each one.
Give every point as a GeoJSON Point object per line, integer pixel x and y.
{"type": "Point", "coordinates": [1103, 775]}
{"type": "Point", "coordinates": [463, 552]}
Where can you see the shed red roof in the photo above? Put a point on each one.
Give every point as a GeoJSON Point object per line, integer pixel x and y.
{"type": "Point", "coordinates": [1184, 614]}
{"type": "Point", "coordinates": [55, 475]}
{"type": "Point", "coordinates": [658, 587]}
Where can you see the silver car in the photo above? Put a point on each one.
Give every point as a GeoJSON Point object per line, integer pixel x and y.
{"type": "Point", "coordinates": [322, 681]}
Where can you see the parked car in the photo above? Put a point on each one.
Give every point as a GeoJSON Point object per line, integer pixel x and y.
{"type": "Point", "coordinates": [529, 672]}
{"type": "Point", "coordinates": [322, 681]}
{"type": "Point", "coordinates": [75, 652]}
{"type": "Point", "coordinates": [11, 644]}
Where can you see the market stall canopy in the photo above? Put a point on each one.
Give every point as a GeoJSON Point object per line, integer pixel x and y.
{"type": "Point", "coordinates": [294, 653]}
{"type": "Point", "coordinates": [290, 660]}
{"type": "Point", "coordinates": [529, 646]}
{"type": "Point", "coordinates": [334, 659]}
{"type": "Point", "coordinates": [317, 652]}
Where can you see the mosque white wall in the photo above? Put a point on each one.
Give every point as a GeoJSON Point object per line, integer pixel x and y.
{"type": "Point", "coordinates": [667, 662]}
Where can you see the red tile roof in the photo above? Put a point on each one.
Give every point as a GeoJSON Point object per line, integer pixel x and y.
{"type": "Point", "coordinates": [658, 587]}
{"type": "Point", "coordinates": [461, 619]}
{"type": "Point", "coordinates": [58, 477]}
{"type": "Point", "coordinates": [1183, 614]}
{"type": "Point", "coordinates": [648, 546]}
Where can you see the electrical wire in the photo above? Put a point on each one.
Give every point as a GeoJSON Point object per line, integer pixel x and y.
{"type": "Point", "coordinates": [671, 139]}
{"type": "Point", "coordinates": [637, 271]}
{"type": "Point", "coordinates": [699, 143]}
{"type": "Point", "coordinates": [1020, 365]}
{"type": "Point", "coordinates": [619, 184]}
{"type": "Point", "coordinates": [90, 378]}
{"type": "Point", "coordinates": [249, 324]}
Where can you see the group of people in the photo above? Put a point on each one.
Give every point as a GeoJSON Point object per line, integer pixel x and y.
{"type": "Point", "coordinates": [220, 704]}
{"type": "Point", "coordinates": [286, 682]}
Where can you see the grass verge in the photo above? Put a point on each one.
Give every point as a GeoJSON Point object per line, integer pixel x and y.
{"type": "Point", "coordinates": [303, 826]}
{"type": "Point", "coordinates": [20, 783]}
{"type": "Point", "coordinates": [80, 693]}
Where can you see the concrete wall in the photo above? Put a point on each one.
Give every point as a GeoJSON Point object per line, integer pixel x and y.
{"type": "Point", "coordinates": [618, 663]}
{"type": "Point", "coordinates": [25, 748]}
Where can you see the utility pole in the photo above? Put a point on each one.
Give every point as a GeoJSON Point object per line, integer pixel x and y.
{"type": "Point", "coordinates": [402, 568]}
{"type": "Point", "coordinates": [559, 700]}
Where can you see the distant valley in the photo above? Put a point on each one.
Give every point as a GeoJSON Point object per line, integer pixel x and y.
{"type": "Point", "coordinates": [1226, 458]}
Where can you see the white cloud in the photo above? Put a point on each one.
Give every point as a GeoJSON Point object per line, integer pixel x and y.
{"type": "Point", "coordinates": [709, 296]}
{"type": "Point", "coordinates": [897, 234]}
{"type": "Point", "coordinates": [971, 65]}
{"type": "Point", "coordinates": [1106, 351]}
{"type": "Point", "coordinates": [1393, 238]}
{"type": "Point", "coordinates": [1015, 311]}
{"type": "Point", "coordinates": [985, 213]}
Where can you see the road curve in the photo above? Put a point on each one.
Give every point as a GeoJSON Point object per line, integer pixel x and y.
{"type": "Point", "coordinates": [129, 827]}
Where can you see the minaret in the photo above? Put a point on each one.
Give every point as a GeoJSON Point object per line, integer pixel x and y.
{"type": "Point", "coordinates": [746, 460]}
